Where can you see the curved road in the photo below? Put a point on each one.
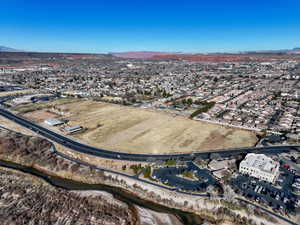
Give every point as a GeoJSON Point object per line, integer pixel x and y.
{"type": "Point", "coordinates": [76, 146]}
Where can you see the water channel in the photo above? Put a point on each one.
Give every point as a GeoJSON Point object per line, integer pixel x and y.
{"type": "Point", "coordinates": [185, 217]}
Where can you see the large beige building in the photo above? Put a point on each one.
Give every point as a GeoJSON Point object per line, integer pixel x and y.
{"type": "Point", "coordinates": [260, 166]}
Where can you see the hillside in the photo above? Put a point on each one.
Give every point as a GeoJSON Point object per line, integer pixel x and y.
{"type": "Point", "coordinates": [138, 55]}
{"type": "Point", "coordinates": [7, 49]}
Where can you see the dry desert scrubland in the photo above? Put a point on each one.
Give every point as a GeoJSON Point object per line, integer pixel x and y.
{"type": "Point", "coordinates": [135, 130]}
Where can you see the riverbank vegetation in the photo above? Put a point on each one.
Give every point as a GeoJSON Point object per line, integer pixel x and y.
{"type": "Point", "coordinates": [37, 153]}
{"type": "Point", "coordinates": [28, 200]}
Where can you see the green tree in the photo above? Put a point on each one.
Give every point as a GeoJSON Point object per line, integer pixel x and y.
{"type": "Point", "coordinates": [190, 101]}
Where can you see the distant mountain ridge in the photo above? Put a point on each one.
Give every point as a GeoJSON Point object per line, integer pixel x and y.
{"type": "Point", "coordinates": [8, 49]}
{"type": "Point", "coordinates": [139, 54]}
{"type": "Point", "coordinates": [154, 54]}
{"type": "Point", "coordinates": [294, 51]}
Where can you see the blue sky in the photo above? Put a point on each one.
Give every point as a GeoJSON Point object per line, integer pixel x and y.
{"type": "Point", "coordinates": [144, 25]}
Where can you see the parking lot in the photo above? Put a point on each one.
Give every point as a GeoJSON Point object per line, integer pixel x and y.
{"type": "Point", "coordinates": [278, 196]}
{"type": "Point", "coordinates": [169, 176]}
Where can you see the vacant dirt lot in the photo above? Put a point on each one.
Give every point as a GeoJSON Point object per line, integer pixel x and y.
{"type": "Point", "coordinates": [39, 115]}
{"type": "Point", "coordinates": [43, 105]}
{"type": "Point", "coordinates": [128, 129]}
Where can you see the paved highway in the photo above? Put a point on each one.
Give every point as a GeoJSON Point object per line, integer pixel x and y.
{"type": "Point", "coordinates": [60, 139]}
{"type": "Point", "coordinates": [76, 146]}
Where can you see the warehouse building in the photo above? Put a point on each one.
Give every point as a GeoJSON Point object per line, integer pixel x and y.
{"type": "Point", "coordinates": [53, 122]}
{"type": "Point", "coordinates": [260, 166]}
{"type": "Point", "coordinates": [73, 129]}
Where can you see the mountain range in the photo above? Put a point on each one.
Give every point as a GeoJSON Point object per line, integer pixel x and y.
{"type": "Point", "coordinates": [153, 54]}
{"type": "Point", "coordinates": [294, 51]}
{"type": "Point", "coordinates": [139, 54]}
{"type": "Point", "coordinates": [8, 49]}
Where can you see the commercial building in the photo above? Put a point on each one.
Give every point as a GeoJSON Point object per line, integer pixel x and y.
{"type": "Point", "coordinates": [53, 122]}
{"type": "Point", "coordinates": [260, 166]}
{"type": "Point", "coordinates": [73, 129]}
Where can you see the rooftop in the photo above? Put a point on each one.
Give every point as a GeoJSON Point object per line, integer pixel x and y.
{"type": "Point", "coordinates": [260, 161]}
{"type": "Point", "coordinates": [53, 122]}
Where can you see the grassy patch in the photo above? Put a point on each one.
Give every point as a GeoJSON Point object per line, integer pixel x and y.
{"type": "Point", "coordinates": [188, 173]}
{"type": "Point", "coordinates": [170, 162]}
{"type": "Point", "coordinates": [147, 172]}
{"type": "Point", "coordinates": [206, 107]}
{"type": "Point", "coordinates": [136, 168]}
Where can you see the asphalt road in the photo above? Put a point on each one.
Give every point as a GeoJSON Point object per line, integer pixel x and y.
{"type": "Point", "coordinates": [126, 175]}
{"type": "Point", "coordinates": [83, 148]}
{"type": "Point", "coordinates": [268, 211]}
{"type": "Point", "coordinates": [169, 175]}
{"type": "Point", "coordinates": [76, 146]}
